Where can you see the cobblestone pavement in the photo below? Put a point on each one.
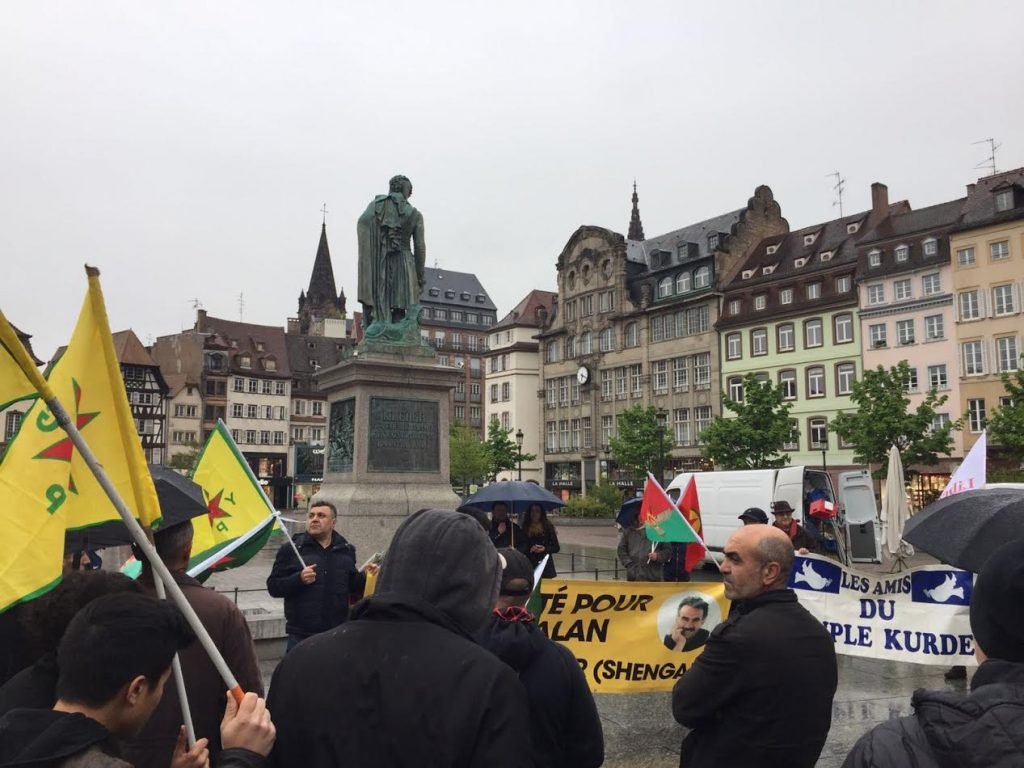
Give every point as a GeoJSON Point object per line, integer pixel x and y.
{"type": "Point", "coordinates": [639, 729]}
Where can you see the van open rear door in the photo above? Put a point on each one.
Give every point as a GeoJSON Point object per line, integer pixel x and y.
{"type": "Point", "coordinates": [789, 486]}
{"type": "Point", "coordinates": [857, 496]}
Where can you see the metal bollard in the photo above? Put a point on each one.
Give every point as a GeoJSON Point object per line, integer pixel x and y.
{"type": "Point", "coordinates": [596, 575]}
{"type": "Point", "coordinates": [236, 595]}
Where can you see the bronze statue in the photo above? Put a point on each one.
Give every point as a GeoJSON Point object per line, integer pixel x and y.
{"type": "Point", "coordinates": [390, 272]}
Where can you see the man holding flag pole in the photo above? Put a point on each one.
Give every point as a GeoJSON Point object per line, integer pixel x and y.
{"type": "Point", "coordinates": [52, 480]}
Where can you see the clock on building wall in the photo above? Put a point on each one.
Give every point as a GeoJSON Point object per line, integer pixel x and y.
{"type": "Point", "coordinates": [583, 375]}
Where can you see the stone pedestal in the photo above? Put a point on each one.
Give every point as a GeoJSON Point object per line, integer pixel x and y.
{"type": "Point", "coordinates": [387, 447]}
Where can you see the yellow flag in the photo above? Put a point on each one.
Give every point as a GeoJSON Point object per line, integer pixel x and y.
{"type": "Point", "coordinates": [45, 485]}
{"type": "Point", "coordinates": [14, 358]}
{"type": "Point", "coordinates": [240, 517]}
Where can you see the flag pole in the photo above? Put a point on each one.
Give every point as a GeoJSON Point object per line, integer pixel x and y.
{"type": "Point", "coordinates": [248, 470]}
{"type": "Point", "coordinates": [179, 681]}
{"type": "Point", "coordinates": [139, 536]}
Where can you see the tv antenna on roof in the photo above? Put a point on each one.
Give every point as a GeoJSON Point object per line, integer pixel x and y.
{"type": "Point", "coordinates": [241, 307]}
{"type": "Point", "coordinates": [196, 303]}
{"type": "Point", "coordinates": [990, 161]}
{"type": "Point", "coordinates": [839, 186]}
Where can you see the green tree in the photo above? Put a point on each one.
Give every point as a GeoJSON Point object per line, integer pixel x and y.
{"type": "Point", "coordinates": [1006, 424]}
{"type": "Point", "coordinates": [183, 462]}
{"type": "Point", "coordinates": [755, 437]}
{"type": "Point", "coordinates": [467, 456]}
{"type": "Point", "coordinates": [882, 418]}
{"type": "Point", "coordinates": [638, 446]}
{"type": "Point", "coordinates": [502, 451]}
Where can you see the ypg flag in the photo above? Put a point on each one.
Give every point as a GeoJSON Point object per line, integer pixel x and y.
{"type": "Point", "coordinates": [240, 518]}
{"type": "Point", "coordinates": [45, 485]}
{"type": "Point", "coordinates": [14, 381]}
{"type": "Point", "coordinates": [662, 521]}
{"type": "Point", "coordinates": [689, 507]}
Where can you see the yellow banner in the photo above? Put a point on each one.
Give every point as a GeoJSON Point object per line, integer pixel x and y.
{"type": "Point", "coordinates": [620, 632]}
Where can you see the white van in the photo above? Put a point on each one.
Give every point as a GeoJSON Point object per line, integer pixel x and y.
{"type": "Point", "coordinates": [724, 495]}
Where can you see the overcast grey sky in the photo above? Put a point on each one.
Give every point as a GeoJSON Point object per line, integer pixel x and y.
{"type": "Point", "coordinates": [186, 148]}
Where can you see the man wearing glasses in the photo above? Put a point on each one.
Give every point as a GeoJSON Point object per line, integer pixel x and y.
{"type": "Point", "coordinates": [317, 596]}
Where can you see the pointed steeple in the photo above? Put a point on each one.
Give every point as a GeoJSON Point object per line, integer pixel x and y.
{"type": "Point", "coordinates": [321, 283]}
{"type": "Point", "coordinates": [636, 228]}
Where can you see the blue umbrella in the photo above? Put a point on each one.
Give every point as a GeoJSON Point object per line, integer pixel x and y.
{"type": "Point", "coordinates": [518, 494]}
{"type": "Point", "coordinates": [628, 512]}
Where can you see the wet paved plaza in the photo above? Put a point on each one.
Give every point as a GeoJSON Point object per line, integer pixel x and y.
{"type": "Point", "coordinates": [639, 729]}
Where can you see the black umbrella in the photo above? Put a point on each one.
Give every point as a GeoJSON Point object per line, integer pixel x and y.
{"type": "Point", "coordinates": [517, 494]}
{"type": "Point", "coordinates": [180, 501]}
{"type": "Point", "coordinates": [965, 528]}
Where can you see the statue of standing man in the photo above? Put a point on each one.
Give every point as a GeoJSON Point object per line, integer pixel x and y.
{"type": "Point", "coordinates": [390, 271]}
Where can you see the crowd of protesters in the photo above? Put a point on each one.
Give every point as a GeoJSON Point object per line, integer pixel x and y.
{"type": "Point", "coordinates": [444, 665]}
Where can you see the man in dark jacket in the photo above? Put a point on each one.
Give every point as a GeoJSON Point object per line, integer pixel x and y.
{"type": "Point", "coordinates": [564, 724]}
{"type": "Point", "coordinates": [802, 540]}
{"type": "Point", "coordinates": [403, 683]}
{"type": "Point", "coordinates": [504, 531]}
{"type": "Point", "coordinates": [229, 631]}
{"type": "Point", "coordinates": [980, 729]}
{"type": "Point", "coordinates": [316, 597]}
{"type": "Point", "coordinates": [760, 693]}
{"type": "Point", "coordinates": [115, 660]}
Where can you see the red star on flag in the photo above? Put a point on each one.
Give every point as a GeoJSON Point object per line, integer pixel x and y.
{"type": "Point", "coordinates": [213, 508]}
{"type": "Point", "coordinates": [64, 449]}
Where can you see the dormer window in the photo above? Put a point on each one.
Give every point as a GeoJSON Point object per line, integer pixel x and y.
{"type": "Point", "coordinates": [480, 298]}
{"type": "Point", "coordinates": [760, 301]}
{"type": "Point", "coordinates": [712, 241]}
{"type": "Point", "coordinates": [734, 306]}
{"type": "Point", "coordinates": [234, 344]}
{"type": "Point", "coordinates": [814, 290]}
{"type": "Point", "coordinates": [826, 255]}
{"type": "Point", "coordinates": [875, 258]}
{"type": "Point", "coordinates": [931, 246]}
{"type": "Point", "coordinates": [270, 364]}
{"type": "Point", "coordinates": [902, 253]}
{"type": "Point", "coordinates": [1004, 200]}
{"type": "Point", "coordinates": [244, 361]}
{"type": "Point", "coordinates": [683, 250]}
{"type": "Point", "coordinates": [464, 296]}
{"type": "Point", "coordinates": [809, 239]}
{"type": "Point", "coordinates": [799, 263]}
{"type": "Point", "coordinates": [748, 273]}
{"type": "Point", "coordinates": [851, 229]}
{"type": "Point", "coordinates": [259, 346]}
{"type": "Point", "coordinates": [771, 249]}
{"type": "Point", "coordinates": [769, 269]}
{"type": "Point", "coordinates": [434, 291]}
{"type": "Point", "coordinates": [786, 296]}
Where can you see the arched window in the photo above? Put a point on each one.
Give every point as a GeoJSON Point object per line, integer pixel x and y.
{"type": "Point", "coordinates": [664, 287]}
{"type": "Point", "coordinates": [585, 347]}
{"type": "Point", "coordinates": [702, 277]}
{"type": "Point", "coordinates": [631, 336]}
{"type": "Point", "coordinates": [606, 341]}
{"type": "Point", "coordinates": [570, 348]}
{"type": "Point", "coordinates": [683, 282]}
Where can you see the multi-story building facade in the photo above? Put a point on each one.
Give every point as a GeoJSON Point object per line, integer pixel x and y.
{"type": "Point", "coordinates": [13, 413]}
{"type": "Point", "coordinates": [789, 315]}
{"type": "Point", "coordinates": [457, 318]}
{"type": "Point", "coordinates": [184, 415]}
{"type": "Point", "coordinates": [252, 360]}
{"type": "Point", "coordinates": [987, 246]}
{"type": "Point", "coordinates": [147, 392]}
{"type": "Point", "coordinates": [513, 376]}
{"type": "Point", "coordinates": [635, 325]}
{"type": "Point", "coordinates": [905, 286]}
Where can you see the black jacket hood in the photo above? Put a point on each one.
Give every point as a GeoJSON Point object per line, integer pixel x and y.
{"type": "Point", "coordinates": [36, 737]}
{"type": "Point", "coordinates": [981, 729]}
{"type": "Point", "coordinates": [445, 559]}
{"type": "Point", "coordinates": [517, 643]}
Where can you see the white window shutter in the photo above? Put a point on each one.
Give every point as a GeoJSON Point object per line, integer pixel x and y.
{"type": "Point", "coordinates": [982, 301]}
{"type": "Point", "coordinates": [1015, 292]}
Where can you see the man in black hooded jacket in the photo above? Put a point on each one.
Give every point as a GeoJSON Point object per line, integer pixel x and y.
{"type": "Point", "coordinates": [402, 683]}
{"type": "Point", "coordinates": [564, 724]}
{"type": "Point", "coordinates": [983, 728]}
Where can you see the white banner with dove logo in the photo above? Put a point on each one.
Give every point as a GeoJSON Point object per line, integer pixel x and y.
{"type": "Point", "coordinates": [920, 615]}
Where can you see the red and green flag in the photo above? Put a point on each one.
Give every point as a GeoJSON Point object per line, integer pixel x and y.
{"type": "Point", "coordinates": [662, 519]}
{"type": "Point", "coordinates": [689, 507]}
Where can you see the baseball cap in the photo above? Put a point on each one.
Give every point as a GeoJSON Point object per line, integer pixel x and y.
{"type": "Point", "coordinates": [517, 575]}
{"type": "Point", "coordinates": [756, 514]}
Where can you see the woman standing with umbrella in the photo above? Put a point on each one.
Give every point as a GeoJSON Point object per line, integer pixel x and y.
{"type": "Point", "coordinates": [541, 538]}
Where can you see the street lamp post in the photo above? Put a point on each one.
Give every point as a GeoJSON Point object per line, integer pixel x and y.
{"type": "Point", "coordinates": [661, 414]}
{"type": "Point", "coordinates": [519, 451]}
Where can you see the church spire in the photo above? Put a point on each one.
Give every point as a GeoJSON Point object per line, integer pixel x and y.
{"type": "Point", "coordinates": [322, 289]}
{"type": "Point", "coordinates": [636, 228]}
